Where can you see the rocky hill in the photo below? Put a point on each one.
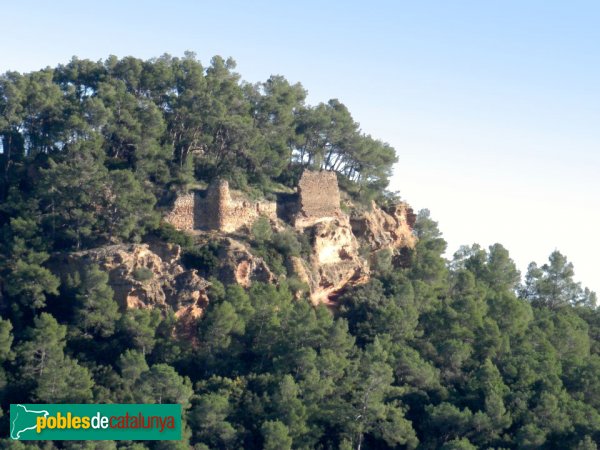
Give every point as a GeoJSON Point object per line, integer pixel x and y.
{"type": "Point", "coordinates": [172, 234]}
{"type": "Point", "coordinates": [343, 246]}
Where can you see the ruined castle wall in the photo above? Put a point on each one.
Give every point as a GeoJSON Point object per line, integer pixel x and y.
{"type": "Point", "coordinates": [318, 198]}
{"type": "Point", "coordinates": [211, 209]}
{"type": "Point", "coordinates": [182, 214]}
{"type": "Point", "coordinates": [216, 210]}
{"type": "Point", "coordinates": [243, 213]}
{"type": "Point", "coordinates": [230, 215]}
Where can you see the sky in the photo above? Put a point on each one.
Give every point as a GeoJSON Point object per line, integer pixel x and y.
{"type": "Point", "coordinates": [493, 107]}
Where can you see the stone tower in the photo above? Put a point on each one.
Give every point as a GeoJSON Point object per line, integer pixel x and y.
{"type": "Point", "coordinates": [217, 205]}
{"type": "Point", "coordinates": [318, 198]}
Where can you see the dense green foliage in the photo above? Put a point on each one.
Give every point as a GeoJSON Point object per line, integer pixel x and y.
{"type": "Point", "coordinates": [127, 126]}
{"type": "Point", "coordinates": [434, 354]}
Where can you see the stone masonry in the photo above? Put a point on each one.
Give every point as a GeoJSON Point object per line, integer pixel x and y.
{"type": "Point", "coordinates": [217, 210]}
{"type": "Point", "coordinates": [318, 198]}
{"type": "Point", "coordinates": [336, 238]}
{"type": "Point", "coordinates": [211, 212]}
{"type": "Point", "coordinates": [182, 214]}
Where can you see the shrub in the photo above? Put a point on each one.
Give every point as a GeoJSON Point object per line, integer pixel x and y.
{"type": "Point", "coordinates": [204, 259]}
{"type": "Point", "coordinates": [143, 274]}
{"type": "Point", "coordinates": [296, 285]}
{"type": "Point", "coordinates": [382, 261]}
{"type": "Point", "coordinates": [306, 244]}
{"type": "Point", "coordinates": [261, 230]}
{"type": "Point", "coordinates": [287, 243]}
{"type": "Point", "coordinates": [216, 290]}
{"type": "Point", "coordinates": [169, 233]}
{"type": "Point", "coordinates": [275, 262]}
{"type": "Point", "coordinates": [272, 257]}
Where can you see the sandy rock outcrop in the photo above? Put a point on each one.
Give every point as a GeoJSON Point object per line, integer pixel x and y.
{"type": "Point", "coordinates": [145, 276]}
{"type": "Point", "coordinates": [239, 265]}
{"type": "Point", "coordinates": [335, 262]}
{"type": "Point", "coordinates": [152, 275]}
{"type": "Point", "coordinates": [385, 228]}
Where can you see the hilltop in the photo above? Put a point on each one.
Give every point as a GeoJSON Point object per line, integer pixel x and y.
{"type": "Point", "coordinates": [169, 232]}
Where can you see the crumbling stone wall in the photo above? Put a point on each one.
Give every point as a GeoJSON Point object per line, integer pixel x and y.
{"type": "Point", "coordinates": [217, 210]}
{"type": "Point", "coordinates": [182, 215]}
{"type": "Point", "coordinates": [318, 198]}
{"type": "Point", "coordinates": [337, 239]}
{"type": "Point", "coordinates": [243, 213]}
{"type": "Point", "coordinates": [211, 210]}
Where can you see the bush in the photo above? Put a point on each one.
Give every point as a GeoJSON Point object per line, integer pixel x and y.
{"type": "Point", "coordinates": [296, 285]}
{"type": "Point", "coordinates": [216, 290]}
{"type": "Point", "coordinates": [169, 233]}
{"type": "Point", "coordinates": [287, 243]}
{"type": "Point", "coordinates": [143, 274]}
{"type": "Point", "coordinates": [275, 262]}
{"type": "Point", "coordinates": [261, 230]}
{"type": "Point", "coordinates": [204, 259]}
{"type": "Point", "coordinates": [273, 259]}
{"type": "Point", "coordinates": [389, 198]}
{"type": "Point", "coordinates": [306, 244]}
{"type": "Point", "coordinates": [382, 261]}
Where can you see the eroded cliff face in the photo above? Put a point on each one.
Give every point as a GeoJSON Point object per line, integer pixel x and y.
{"type": "Point", "coordinates": [153, 275]}
{"type": "Point", "coordinates": [147, 276]}
{"type": "Point", "coordinates": [335, 261]}
{"type": "Point", "coordinates": [342, 247]}
{"type": "Point", "coordinates": [389, 228]}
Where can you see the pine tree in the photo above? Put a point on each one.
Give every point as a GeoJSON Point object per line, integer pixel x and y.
{"type": "Point", "coordinates": [95, 312]}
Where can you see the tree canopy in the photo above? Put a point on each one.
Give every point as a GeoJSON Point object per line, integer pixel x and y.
{"type": "Point", "coordinates": [172, 121]}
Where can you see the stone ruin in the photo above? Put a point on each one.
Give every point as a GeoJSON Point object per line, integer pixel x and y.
{"type": "Point", "coordinates": [337, 238]}
{"type": "Point", "coordinates": [318, 198]}
{"type": "Point", "coordinates": [183, 214]}
{"type": "Point", "coordinates": [217, 208]}
{"type": "Point", "coordinates": [220, 210]}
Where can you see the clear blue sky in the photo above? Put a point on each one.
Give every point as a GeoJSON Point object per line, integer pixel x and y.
{"type": "Point", "coordinates": [493, 106]}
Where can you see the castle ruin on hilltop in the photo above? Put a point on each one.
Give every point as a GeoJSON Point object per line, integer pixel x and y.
{"type": "Point", "coordinates": [335, 260]}
{"type": "Point", "coordinates": [217, 208]}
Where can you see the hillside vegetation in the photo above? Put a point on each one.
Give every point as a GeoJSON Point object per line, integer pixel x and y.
{"type": "Point", "coordinates": [429, 353]}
